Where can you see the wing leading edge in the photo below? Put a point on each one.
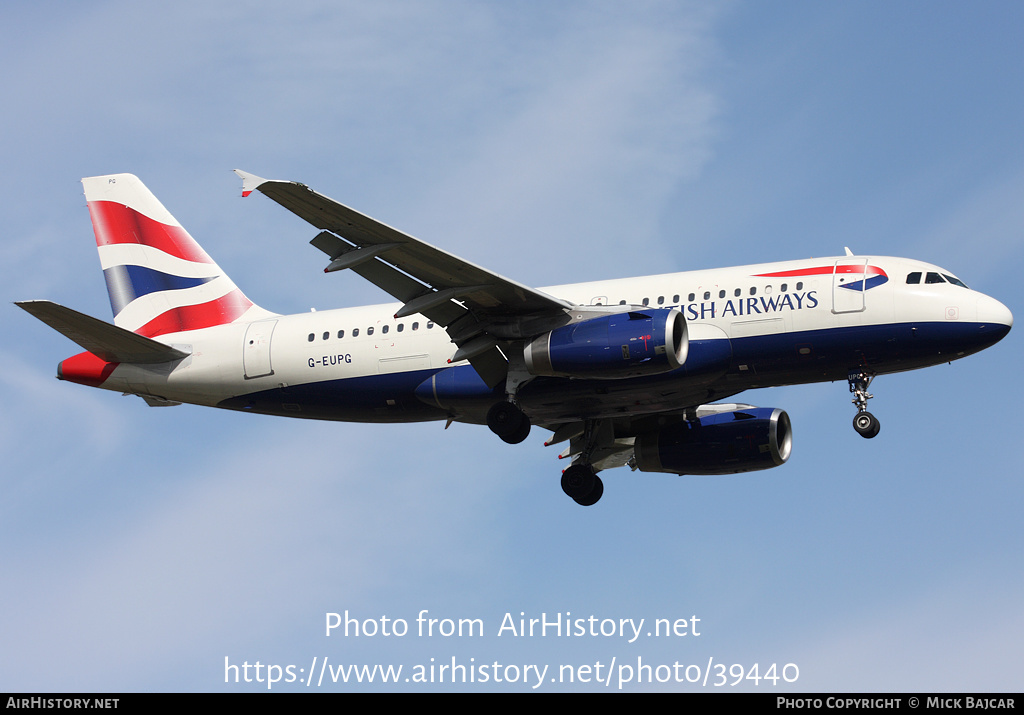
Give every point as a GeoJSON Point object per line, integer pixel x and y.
{"type": "Point", "coordinates": [479, 309]}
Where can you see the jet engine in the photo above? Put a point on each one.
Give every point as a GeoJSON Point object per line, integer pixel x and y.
{"type": "Point", "coordinates": [728, 442]}
{"type": "Point", "coordinates": [628, 344]}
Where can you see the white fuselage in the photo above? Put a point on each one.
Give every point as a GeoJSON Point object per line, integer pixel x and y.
{"type": "Point", "coordinates": [802, 326]}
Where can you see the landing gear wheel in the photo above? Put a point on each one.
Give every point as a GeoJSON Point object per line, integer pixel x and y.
{"type": "Point", "coordinates": [595, 493]}
{"type": "Point", "coordinates": [522, 433]}
{"type": "Point", "coordinates": [506, 420]}
{"type": "Point", "coordinates": [578, 481]}
{"type": "Point", "coordinates": [866, 424]}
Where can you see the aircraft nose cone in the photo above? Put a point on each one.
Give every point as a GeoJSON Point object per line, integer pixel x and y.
{"type": "Point", "coordinates": [991, 310]}
{"type": "Point", "coordinates": [994, 317]}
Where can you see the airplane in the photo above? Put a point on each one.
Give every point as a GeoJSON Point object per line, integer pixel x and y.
{"type": "Point", "coordinates": [623, 372]}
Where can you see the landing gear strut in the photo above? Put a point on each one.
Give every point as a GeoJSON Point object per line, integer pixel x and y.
{"type": "Point", "coordinates": [508, 422]}
{"type": "Point", "coordinates": [865, 423]}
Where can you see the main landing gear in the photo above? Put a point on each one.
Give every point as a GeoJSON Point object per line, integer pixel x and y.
{"type": "Point", "coordinates": [581, 483]}
{"type": "Point", "coordinates": [594, 442]}
{"type": "Point", "coordinates": [865, 423]}
{"type": "Point", "coordinates": [508, 422]}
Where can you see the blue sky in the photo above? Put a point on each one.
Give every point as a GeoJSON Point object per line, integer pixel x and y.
{"type": "Point", "coordinates": [550, 142]}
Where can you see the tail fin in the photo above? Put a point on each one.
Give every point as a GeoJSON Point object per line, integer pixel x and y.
{"type": "Point", "coordinates": [159, 279]}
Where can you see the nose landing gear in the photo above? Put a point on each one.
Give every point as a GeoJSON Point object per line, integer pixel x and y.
{"type": "Point", "coordinates": [865, 423]}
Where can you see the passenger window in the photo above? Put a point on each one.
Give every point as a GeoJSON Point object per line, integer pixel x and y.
{"type": "Point", "coordinates": [384, 329]}
{"type": "Point", "coordinates": [753, 290]}
{"type": "Point", "coordinates": [661, 300]}
{"type": "Point", "coordinates": [675, 298]}
{"type": "Point", "coordinates": [355, 332]}
{"type": "Point", "coordinates": [737, 292]}
{"type": "Point", "coordinates": [369, 331]}
{"type": "Point", "coordinates": [312, 337]}
{"type": "Point", "coordinates": [914, 278]}
{"type": "Point", "coordinates": [721, 294]}
{"type": "Point", "coordinates": [401, 326]}
{"type": "Point", "coordinates": [622, 302]}
{"type": "Point", "coordinates": [430, 325]}
{"type": "Point", "coordinates": [800, 285]}
{"type": "Point", "coordinates": [326, 335]}
{"type": "Point", "coordinates": [341, 334]}
{"type": "Point", "coordinates": [783, 287]}
{"type": "Point", "coordinates": [933, 278]}
{"type": "Point", "coordinates": [690, 297]}
{"type": "Point", "coordinates": [415, 326]}
{"type": "Point", "coordinates": [707, 295]}
{"type": "Point", "coordinates": [647, 301]}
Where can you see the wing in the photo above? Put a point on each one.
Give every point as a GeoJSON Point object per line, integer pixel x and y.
{"type": "Point", "coordinates": [478, 308]}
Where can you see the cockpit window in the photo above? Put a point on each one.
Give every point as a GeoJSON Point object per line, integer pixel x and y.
{"type": "Point", "coordinates": [932, 277]}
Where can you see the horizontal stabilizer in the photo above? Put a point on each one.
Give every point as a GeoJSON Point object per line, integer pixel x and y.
{"type": "Point", "coordinates": [105, 341]}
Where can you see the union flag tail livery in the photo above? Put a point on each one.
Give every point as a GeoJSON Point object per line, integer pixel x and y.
{"type": "Point", "coordinates": [624, 372]}
{"type": "Point", "coordinates": [159, 279]}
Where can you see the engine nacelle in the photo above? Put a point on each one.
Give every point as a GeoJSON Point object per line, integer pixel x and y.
{"type": "Point", "coordinates": [742, 440]}
{"type": "Point", "coordinates": [629, 344]}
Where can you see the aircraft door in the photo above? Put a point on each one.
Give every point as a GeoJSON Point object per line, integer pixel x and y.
{"type": "Point", "coordinates": [256, 350]}
{"type": "Point", "coordinates": [848, 285]}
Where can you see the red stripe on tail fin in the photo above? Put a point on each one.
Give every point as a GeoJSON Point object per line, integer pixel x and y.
{"type": "Point", "coordinates": [116, 223]}
{"type": "Point", "coordinates": [193, 317]}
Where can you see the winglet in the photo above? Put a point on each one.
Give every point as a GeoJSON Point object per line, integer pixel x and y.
{"type": "Point", "coordinates": [250, 182]}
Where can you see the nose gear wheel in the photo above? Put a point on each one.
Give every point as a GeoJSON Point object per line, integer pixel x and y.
{"type": "Point", "coordinates": [864, 422]}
